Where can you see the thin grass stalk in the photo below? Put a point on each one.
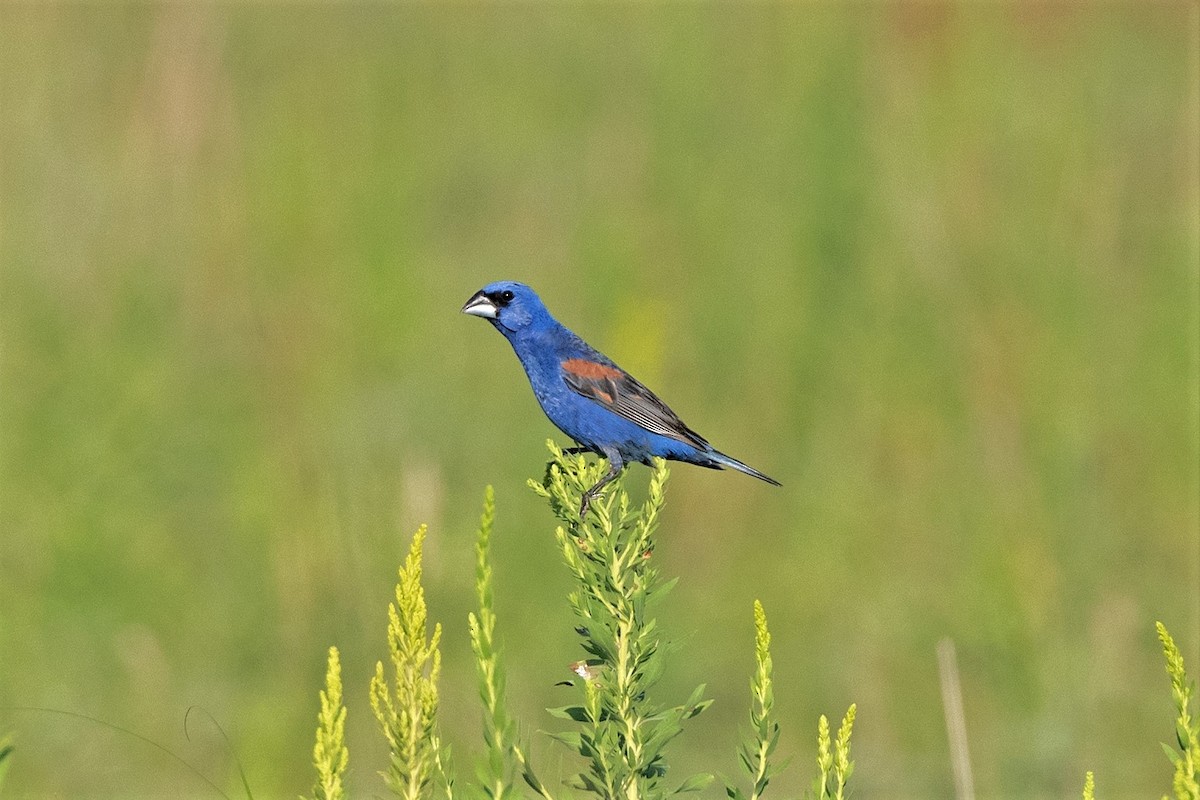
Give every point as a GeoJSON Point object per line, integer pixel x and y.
{"type": "Point", "coordinates": [1185, 783]}
{"type": "Point", "coordinates": [331, 758]}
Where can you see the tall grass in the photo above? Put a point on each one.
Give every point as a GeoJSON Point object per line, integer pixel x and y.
{"type": "Point", "coordinates": [619, 729]}
{"type": "Point", "coordinates": [1186, 758]}
{"type": "Point", "coordinates": [331, 757]}
{"type": "Point", "coordinates": [407, 706]}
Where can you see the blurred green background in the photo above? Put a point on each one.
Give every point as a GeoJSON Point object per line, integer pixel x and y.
{"type": "Point", "coordinates": [933, 267]}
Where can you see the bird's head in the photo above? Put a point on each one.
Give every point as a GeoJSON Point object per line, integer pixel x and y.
{"type": "Point", "coordinates": [508, 305]}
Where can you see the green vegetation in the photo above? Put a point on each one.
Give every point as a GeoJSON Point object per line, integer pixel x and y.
{"type": "Point", "coordinates": [499, 730]}
{"type": "Point", "coordinates": [1186, 783]}
{"type": "Point", "coordinates": [764, 732]}
{"type": "Point", "coordinates": [331, 757]}
{"type": "Point", "coordinates": [621, 734]}
{"type": "Point", "coordinates": [932, 265]}
{"type": "Point", "coordinates": [507, 755]}
{"type": "Point", "coordinates": [833, 768]}
{"type": "Point", "coordinates": [407, 711]}
{"type": "Point", "coordinates": [624, 732]}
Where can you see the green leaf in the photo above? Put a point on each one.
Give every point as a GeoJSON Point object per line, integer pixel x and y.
{"type": "Point", "coordinates": [696, 783]}
{"type": "Point", "coordinates": [571, 739]}
{"type": "Point", "coordinates": [662, 590]}
{"type": "Point", "coordinates": [576, 713]}
{"type": "Point", "coordinates": [533, 782]}
{"type": "Point", "coordinates": [696, 698]}
{"type": "Point", "coordinates": [1172, 753]}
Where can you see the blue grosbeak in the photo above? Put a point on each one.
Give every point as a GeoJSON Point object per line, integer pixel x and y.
{"type": "Point", "coordinates": [599, 405]}
{"type": "Point", "coordinates": [592, 400]}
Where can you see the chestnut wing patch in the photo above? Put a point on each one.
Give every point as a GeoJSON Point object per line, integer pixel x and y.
{"type": "Point", "coordinates": [622, 394]}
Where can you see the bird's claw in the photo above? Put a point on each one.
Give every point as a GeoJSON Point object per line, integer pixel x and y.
{"type": "Point", "coordinates": [586, 503]}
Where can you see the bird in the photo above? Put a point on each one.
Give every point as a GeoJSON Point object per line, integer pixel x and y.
{"type": "Point", "coordinates": [600, 406]}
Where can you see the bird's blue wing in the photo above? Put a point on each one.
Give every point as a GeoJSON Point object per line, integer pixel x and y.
{"type": "Point", "coordinates": [621, 393]}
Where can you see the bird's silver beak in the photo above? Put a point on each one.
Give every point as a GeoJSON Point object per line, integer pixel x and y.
{"type": "Point", "coordinates": [480, 306]}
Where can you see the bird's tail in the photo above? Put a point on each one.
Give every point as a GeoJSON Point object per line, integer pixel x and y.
{"type": "Point", "coordinates": [733, 463]}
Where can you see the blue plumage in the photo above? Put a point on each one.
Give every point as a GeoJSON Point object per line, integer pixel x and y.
{"type": "Point", "coordinates": [592, 400]}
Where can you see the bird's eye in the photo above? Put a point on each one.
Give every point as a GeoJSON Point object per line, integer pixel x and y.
{"type": "Point", "coordinates": [506, 296]}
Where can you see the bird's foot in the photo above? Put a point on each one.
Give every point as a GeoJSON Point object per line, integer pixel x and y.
{"type": "Point", "coordinates": [585, 502]}
{"type": "Point", "coordinates": [614, 469]}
